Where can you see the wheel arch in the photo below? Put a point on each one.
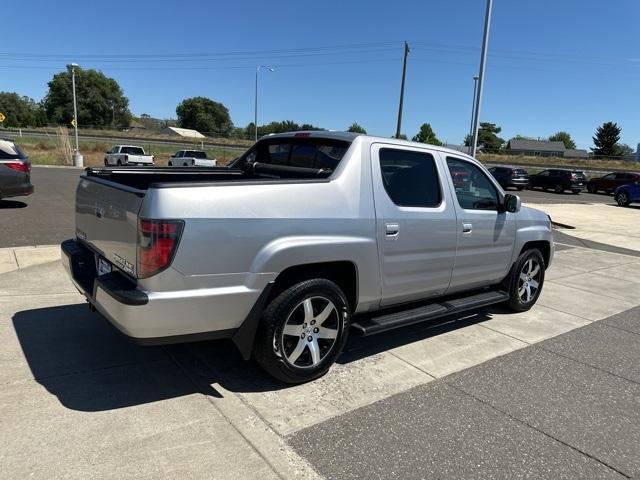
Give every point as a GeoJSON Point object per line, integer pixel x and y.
{"type": "Point", "coordinates": [543, 245]}
{"type": "Point", "coordinates": [343, 273]}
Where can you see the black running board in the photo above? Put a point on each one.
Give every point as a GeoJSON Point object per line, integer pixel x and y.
{"type": "Point", "coordinates": [397, 319]}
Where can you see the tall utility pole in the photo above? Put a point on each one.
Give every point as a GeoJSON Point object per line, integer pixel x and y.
{"type": "Point", "coordinates": [255, 112]}
{"type": "Point", "coordinates": [404, 74]}
{"type": "Point", "coordinates": [483, 62]}
{"type": "Point", "coordinates": [77, 157]}
{"type": "Point", "coordinates": [473, 107]}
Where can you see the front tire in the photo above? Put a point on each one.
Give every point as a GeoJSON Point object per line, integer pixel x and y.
{"type": "Point", "coordinates": [526, 280]}
{"type": "Point", "coordinates": [622, 199]}
{"type": "Point", "coordinates": [303, 331]}
{"type": "Point", "coordinates": [558, 188]}
{"type": "Point", "coordinates": [591, 188]}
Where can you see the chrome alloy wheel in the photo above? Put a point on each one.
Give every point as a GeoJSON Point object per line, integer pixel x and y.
{"type": "Point", "coordinates": [309, 333]}
{"type": "Point", "coordinates": [529, 280]}
{"type": "Point", "coordinates": [622, 199]}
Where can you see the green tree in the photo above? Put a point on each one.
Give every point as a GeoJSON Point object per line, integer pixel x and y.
{"type": "Point", "coordinates": [426, 135]}
{"type": "Point", "coordinates": [402, 136]}
{"type": "Point", "coordinates": [488, 138]}
{"type": "Point", "coordinates": [204, 115]}
{"type": "Point", "coordinates": [563, 137]}
{"type": "Point", "coordinates": [625, 150]}
{"type": "Point", "coordinates": [21, 111]}
{"type": "Point", "coordinates": [356, 128]}
{"type": "Point", "coordinates": [606, 139]}
{"type": "Point", "coordinates": [278, 127]}
{"type": "Point", "coordinates": [101, 102]}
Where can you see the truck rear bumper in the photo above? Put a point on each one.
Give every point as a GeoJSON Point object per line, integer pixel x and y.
{"type": "Point", "coordinates": [157, 317]}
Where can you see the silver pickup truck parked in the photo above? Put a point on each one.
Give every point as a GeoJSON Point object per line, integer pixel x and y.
{"type": "Point", "coordinates": [307, 236]}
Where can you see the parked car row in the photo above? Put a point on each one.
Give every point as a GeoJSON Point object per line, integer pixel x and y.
{"type": "Point", "coordinates": [125, 155]}
{"type": "Point", "coordinates": [625, 186]}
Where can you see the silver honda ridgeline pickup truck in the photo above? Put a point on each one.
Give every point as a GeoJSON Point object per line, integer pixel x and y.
{"type": "Point", "coordinates": [303, 238]}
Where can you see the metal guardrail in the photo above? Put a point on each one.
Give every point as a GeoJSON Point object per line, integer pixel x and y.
{"type": "Point", "coordinates": [15, 133]}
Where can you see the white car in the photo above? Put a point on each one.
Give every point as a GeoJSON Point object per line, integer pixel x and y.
{"type": "Point", "coordinates": [127, 155]}
{"type": "Point", "coordinates": [191, 158]}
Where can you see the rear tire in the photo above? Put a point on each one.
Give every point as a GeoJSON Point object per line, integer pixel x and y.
{"type": "Point", "coordinates": [119, 163]}
{"type": "Point", "coordinates": [520, 188]}
{"type": "Point", "coordinates": [303, 331]}
{"type": "Point", "coordinates": [591, 188]}
{"type": "Point", "coordinates": [185, 164]}
{"type": "Point", "coordinates": [526, 280]}
{"type": "Point", "coordinates": [170, 164]}
{"type": "Point", "coordinates": [575, 192]}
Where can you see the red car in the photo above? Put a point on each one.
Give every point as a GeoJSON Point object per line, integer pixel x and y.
{"type": "Point", "coordinates": [611, 181]}
{"type": "Point", "coordinates": [460, 176]}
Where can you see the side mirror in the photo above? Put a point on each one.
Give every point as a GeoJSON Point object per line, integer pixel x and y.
{"type": "Point", "coordinates": [512, 203]}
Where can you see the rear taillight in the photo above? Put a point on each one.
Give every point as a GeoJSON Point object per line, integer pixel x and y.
{"type": "Point", "coordinates": [157, 243]}
{"type": "Point", "coordinates": [19, 166]}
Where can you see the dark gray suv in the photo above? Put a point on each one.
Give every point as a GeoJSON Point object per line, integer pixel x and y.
{"type": "Point", "coordinates": [15, 171]}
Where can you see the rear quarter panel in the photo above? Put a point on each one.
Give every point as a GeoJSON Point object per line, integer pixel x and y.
{"type": "Point", "coordinates": [255, 230]}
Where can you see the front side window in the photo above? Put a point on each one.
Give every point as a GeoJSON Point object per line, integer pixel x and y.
{"type": "Point", "coordinates": [410, 178]}
{"type": "Point", "coordinates": [473, 188]}
{"type": "Point", "coordinates": [546, 173]}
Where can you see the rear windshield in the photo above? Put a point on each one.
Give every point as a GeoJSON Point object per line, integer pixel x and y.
{"type": "Point", "coordinates": [297, 152]}
{"type": "Point", "coordinates": [132, 150]}
{"type": "Point", "coordinates": [11, 152]}
{"type": "Point", "coordinates": [196, 154]}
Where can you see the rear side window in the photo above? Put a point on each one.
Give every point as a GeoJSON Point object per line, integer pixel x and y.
{"type": "Point", "coordinates": [298, 152]}
{"type": "Point", "coordinates": [410, 178]}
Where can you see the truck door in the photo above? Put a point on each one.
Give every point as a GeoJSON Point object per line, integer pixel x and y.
{"type": "Point", "coordinates": [486, 234]}
{"type": "Point", "coordinates": [415, 222]}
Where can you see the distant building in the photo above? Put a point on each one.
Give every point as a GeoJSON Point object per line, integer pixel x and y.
{"type": "Point", "coordinates": [576, 153]}
{"type": "Point", "coordinates": [185, 133]}
{"type": "Point", "coordinates": [459, 148]}
{"type": "Point", "coordinates": [538, 148]}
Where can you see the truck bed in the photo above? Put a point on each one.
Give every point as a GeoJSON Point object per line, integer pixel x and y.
{"type": "Point", "coordinates": [141, 178]}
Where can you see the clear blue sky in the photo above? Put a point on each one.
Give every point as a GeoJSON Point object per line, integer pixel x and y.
{"type": "Point", "coordinates": [569, 64]}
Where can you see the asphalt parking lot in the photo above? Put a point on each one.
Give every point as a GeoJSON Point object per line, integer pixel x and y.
{"type": "Point", "coordinates": [46, 217]}
{"type": "Point", "coordinates": [550, 393]}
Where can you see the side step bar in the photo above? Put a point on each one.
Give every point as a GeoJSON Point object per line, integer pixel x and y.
{"type": "Point", "coordinates": [390, 321]}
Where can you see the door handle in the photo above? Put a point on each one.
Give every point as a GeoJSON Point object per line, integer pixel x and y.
{"type": "Point", "coordinates": [467, 227]}
{"type": "Point", "coordinates": [391, 229]}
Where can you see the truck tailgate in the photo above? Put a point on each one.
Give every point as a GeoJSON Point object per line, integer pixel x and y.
{"type": "Point", "coordinates": [107, 220]}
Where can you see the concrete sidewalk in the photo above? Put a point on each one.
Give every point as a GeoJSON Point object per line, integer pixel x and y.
{"type": "Point", "coordinates": [602, 223]}
{"type": "Point", "coordinates": [78, 400]}
{"type": "Point", "coordinates": [22, 257]}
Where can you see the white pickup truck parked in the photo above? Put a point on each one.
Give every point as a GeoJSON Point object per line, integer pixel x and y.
{"type": "Point", "coordinates": [191, 158]}
{"type": "Point", "coordinates": [127, 155]}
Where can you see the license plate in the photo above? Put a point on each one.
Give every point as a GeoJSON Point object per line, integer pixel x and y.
{"type": "Point", "coordinates": [104, 267]}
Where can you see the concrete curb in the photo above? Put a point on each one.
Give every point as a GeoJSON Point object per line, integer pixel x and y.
{"type": "Point", "coordinates": [17, 258]}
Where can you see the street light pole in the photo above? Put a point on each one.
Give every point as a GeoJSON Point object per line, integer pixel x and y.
{"type": "Point", "coordinates": [255, 112]}
{"type": "Point", "coordinates": [77, 157]}
{"type": "Point", "coordinates": [483, 62]}
{"type": "Point", "coordinates": [473, 107]}
{"type": "Point", "coordinates": [404, 74]}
